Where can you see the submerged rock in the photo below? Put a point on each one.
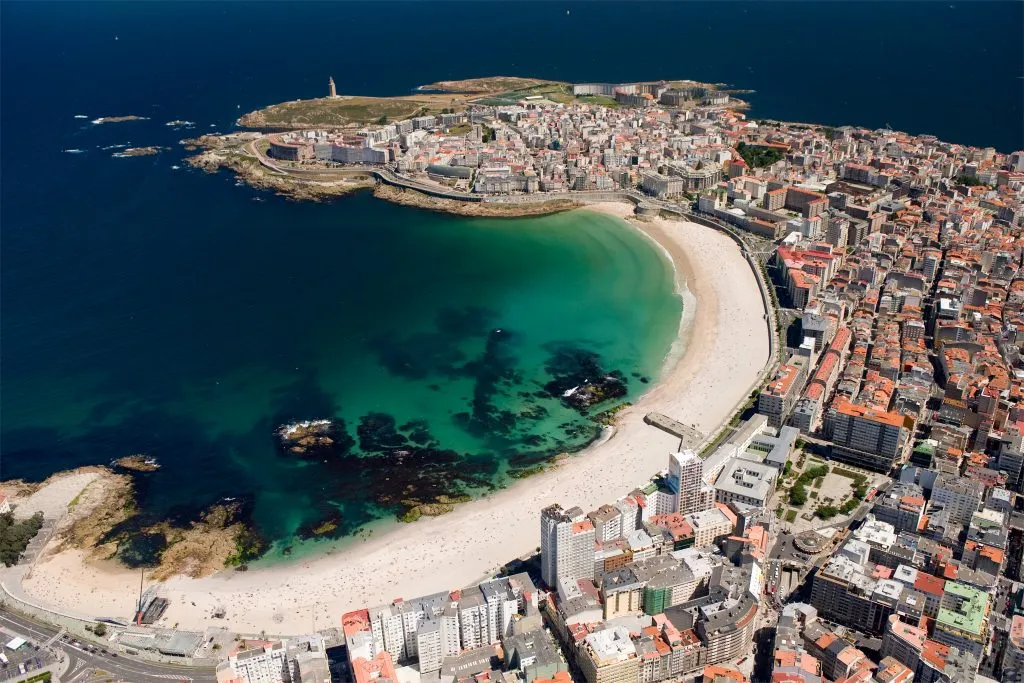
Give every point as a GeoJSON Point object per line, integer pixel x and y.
{"type": "Point", "coordinates": [377, 432]}
{"type": "Point", "coordinates": [330, 526]}
{"type": "Point", "coordinates": [579, 380]}
{"type": "Point", "coordinates": [304, 438]}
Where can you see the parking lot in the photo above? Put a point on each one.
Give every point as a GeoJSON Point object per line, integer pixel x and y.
{"type": "Point", "coordinates": [30, 655]}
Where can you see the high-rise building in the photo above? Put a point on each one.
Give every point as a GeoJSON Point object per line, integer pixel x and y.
{"type": "Point", "coordinates": [685, 480]}
{"type": "Point", "coordinates": [566, 546]}
{"type": "Point", "coordinates": [960, 496]}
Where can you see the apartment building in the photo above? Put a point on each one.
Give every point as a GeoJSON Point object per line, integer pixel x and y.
{"type": "Point", "coordinates": [608, 656]}
{"type": "Point", "coordinates": [866, 437]}
{"type": "Point", "coordinates": [962, 621]}
{"type": "Point", "coordinates": [567, 545]}
{"type": "Point", "coordinates": [960, 496]}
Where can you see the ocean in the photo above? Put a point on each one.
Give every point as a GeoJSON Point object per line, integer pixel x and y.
{"type": "Point", "coordinates": [150, 308]}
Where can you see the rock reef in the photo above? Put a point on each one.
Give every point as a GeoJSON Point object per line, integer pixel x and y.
{"type": "Point", "coordinates": [408, 197]}
{"type": "Point", "coordinates": [138, 152]}
{"type": "Point", "coordinates": [137, 463]}
{"type": "Point", "coordinates": [305, 438]}
{"type": "Point", "coordinates": [254, 174]}
{"type": "Point", "coordinates": [119, 119]}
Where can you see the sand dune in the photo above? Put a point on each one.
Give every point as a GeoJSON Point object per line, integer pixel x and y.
{"type": "Point", "coordinates": [723, 347]}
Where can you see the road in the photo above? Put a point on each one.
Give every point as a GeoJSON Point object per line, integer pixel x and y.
{"type": "Point", "coordinates": [82, 662]}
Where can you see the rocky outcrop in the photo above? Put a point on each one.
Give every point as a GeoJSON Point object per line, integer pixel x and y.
{"type": "Point", "coordinates": [579, 380]}
{"type": "Point", "coordinates": [305, 438]}
{"type": "Point", "coordinates": [138, 152]}
{"type": "Point", "coordinates": [119, 119]}
{"type": "Point", "coordinates": [137, 463]}
{"type": "Point", "coordinates": [253, 173]}
{"type": "Point", "coordinates": [408, 197]}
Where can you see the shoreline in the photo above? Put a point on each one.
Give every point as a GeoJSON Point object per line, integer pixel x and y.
{"type": "Point", "coordinates": [458, 548]}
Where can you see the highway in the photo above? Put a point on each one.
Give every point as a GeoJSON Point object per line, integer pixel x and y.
{"type": "Point", "coordinates": [80, 662]}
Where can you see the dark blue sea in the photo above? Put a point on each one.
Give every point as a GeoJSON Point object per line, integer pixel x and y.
{"type": "Point", "coordinates": [159, 310]}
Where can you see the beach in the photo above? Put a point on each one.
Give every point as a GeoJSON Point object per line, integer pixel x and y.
{"type": "Point", "coordinates": [722, 348]}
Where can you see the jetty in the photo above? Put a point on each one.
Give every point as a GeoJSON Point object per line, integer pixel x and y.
{"type": "Point", "coordinates": [689, 435]}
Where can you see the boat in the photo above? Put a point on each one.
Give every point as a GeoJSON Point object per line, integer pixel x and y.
{"type": "Point", "coordinates": [73, 151]}
{"type": "Point", "coordinates": [81, 116]}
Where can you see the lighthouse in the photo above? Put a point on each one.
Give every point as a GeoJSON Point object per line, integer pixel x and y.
{"type": "Point", "coordinates": [332, 92]}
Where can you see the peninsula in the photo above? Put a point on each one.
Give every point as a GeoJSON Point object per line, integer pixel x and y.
{"type": "Point", "coordinates": [481, 147]}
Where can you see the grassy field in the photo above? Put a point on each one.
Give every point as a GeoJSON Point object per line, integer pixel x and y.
{"type": "Point", "coordinates": [602, 100]}
{"type": "Point", "coordinates": [354, 110]}
{"type": "Point", "coordinates": [350, 111]}
{"type": "Point", "coordinates": [489, 84]}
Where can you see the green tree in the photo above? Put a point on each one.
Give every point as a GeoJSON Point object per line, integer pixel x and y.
{"type": "Point", "coordinates": [100, 630]}
{"type": "Point", "coordinates": [798, 494]}
{"type": "Point", "coordinates": [757, 156]}
{"type": "Point", "coordinates": [15, 536]}
{"type": "Point", "coordinates": [383, 119]}
{"type": "Point", "coordinates": [827, 511]}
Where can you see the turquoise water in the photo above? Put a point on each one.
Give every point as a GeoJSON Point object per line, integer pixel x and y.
{"type": "Point", "coordinates": [193, 338]}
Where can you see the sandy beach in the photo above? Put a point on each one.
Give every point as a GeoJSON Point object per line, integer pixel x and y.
{"type": "Point", "coordinates": [723, 346]}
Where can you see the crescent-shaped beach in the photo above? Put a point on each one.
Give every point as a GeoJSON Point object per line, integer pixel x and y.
{"type": "Point", "coordinates": [718, 359]}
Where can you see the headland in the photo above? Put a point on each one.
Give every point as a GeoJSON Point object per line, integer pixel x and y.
{"type": "Point", "coordinates": [481, 141]}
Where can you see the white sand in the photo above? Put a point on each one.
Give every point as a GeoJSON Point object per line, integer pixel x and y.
{"type": "Point", "coordinates": [723, 348]}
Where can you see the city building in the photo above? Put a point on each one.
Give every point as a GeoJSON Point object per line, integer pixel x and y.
{"type": "Point", "coordinates": [295, 660]}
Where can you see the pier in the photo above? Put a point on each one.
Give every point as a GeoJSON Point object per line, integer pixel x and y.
{"type": "Point", "coordinates": [690, 436]}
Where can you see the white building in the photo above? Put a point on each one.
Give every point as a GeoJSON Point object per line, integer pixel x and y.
{"type": "Point", "coordinates": [743, 481]}
{"type": "Point", "coordinates": [685, 479]}
{"type": "Point", "coordinates": [566, 545]}
{"type": "Point", "coordinates": [960, 496]}
{"type": "Point", "coordinates": [297, 660]}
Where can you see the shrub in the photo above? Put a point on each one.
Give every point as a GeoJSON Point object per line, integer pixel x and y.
{"type": "Point", "coordinates": [849, 506]}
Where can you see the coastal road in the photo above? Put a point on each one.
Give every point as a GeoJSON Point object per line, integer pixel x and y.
{"type": "Point", "coordinates": [81, 661]}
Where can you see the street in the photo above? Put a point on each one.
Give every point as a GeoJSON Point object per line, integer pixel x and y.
{"type": "Point", "coordinates": [82, 662]}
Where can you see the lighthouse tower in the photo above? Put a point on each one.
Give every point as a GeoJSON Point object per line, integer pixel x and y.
{"type": "Point", "coordinates": [330, 87]}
